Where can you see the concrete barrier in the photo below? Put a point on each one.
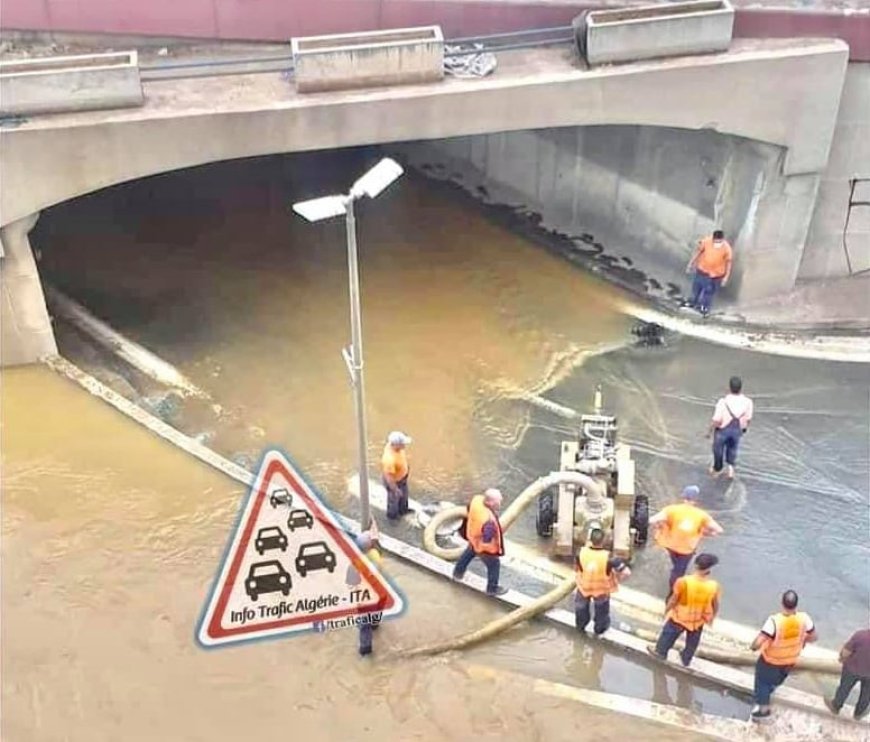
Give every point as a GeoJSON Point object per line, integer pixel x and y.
{"type": "Point", "coordinates": [395, 57]}
{"type": "Point", "coordinates": [80, 83]}
{"type": "Point", "coordinates": [672, 29]}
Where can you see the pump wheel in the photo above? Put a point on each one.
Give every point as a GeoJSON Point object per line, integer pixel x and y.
{"type": "Point", "coordinates": [640, 519]}
{"type": "Point", "coordinates": [546, 515]}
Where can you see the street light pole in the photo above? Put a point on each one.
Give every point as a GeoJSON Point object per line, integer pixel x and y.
{"type": "Point", "coordinates": [356, 363]}
{"type": "Point", "coordinates": [371, 184]}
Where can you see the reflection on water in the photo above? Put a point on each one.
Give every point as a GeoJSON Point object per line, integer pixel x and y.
{"type": "Point", "coordinates": [211, 269]}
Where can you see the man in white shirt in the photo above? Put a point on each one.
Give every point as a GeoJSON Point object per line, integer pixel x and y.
{"type": "Point", "coordinates": [730, 421]}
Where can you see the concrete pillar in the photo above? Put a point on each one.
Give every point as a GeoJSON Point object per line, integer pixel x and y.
{"type": "Point", "coordinates": [26, 334]}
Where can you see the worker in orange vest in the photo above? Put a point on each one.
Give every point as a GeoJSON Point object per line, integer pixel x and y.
{"type": "Point", "coordinates": [711, 262]}
{"type": "Point", "coordinates": [368, 543]}
{"type": "Point", "coordinates": [679, 528]}
{"type": "Point", "coordinates": [395, 469]}
{"type": "Point", "coordinates": [485, 539]}
{"type": "Point", "coordinates": [693, 604]}
{"type": "Point", "coordinates": [780, 640]}
{"type": "Point", "coordinates": [598, 576]}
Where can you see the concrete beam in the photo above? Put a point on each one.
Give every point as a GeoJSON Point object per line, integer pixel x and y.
{"type": "Point", "coordinates": [79, 83]}
{"type": "Point", "coordinates": [784, 92]}
{"type": "Point", "coordinates": [26, 334]}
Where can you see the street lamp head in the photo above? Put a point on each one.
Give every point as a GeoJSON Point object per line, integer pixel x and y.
{"type": "Point", "coordinates": [318, 209]}
{"type": "Point", "coordinates": [376, 180]}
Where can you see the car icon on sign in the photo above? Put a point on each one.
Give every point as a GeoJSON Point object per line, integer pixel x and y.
{"type": "Point", "coordinates": [270, 538]}
{"type": "Point", "coordinates": [299, 519]}
{"type": "Point", "coordinates": [280, 497]}
{"type": "Point", "coordinates": [267, 577]}
{"type": "Point", "coordinates": [313, 556]}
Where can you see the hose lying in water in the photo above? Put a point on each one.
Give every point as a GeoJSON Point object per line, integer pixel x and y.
{"type": "Point", "coordinates": [561, 591]}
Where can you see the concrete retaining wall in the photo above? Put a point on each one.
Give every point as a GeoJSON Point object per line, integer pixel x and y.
{"type": "Point", "coordinates": [636, 199]}
{"type": "Point", "coordinates": [341, 61]}
{"type": "Point", "coordinates": [839, 239]}
{"type": "Point", "coordinates": [79, 83]}
{"type": "Point", "coordinates": [696, 27]}
{"type": "Point", "coordinates": [26, 334]}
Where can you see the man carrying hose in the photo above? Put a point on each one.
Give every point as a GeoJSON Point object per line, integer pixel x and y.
{"type": "Point", "coordinates": [598, 575]}
{"type": "Point", "coordinates": [485, 540]}
{"type": "Point", "coordinates": [679, 528]}
{"type": "Point", "coordinates": [780, 640]}
{"type": "Point", "coordinates": [395, 469]}
{"type": "Point", "coordinates": [693, 604]}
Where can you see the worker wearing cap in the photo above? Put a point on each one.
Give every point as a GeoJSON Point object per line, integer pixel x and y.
{"type": "Point", "coordinates": [781, 640]}
{"type": "Point", "coordinates": [367, 541]}
{"type": "Point", "coordinates": [679, 529]}
{"type": "Point", "coordinates": [394, 467]}
{"type": "Point", "coordinates": [485, 540]}
{"type": "Point", "coordinates": [692, 605]}
{"type": "Point", "coordinates": [598, 576]}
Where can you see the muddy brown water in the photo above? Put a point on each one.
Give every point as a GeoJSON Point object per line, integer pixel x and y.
{"type": "Point", "coordinates": [210, 269]}
{"type": "Point", "coordinates": [110, 541]}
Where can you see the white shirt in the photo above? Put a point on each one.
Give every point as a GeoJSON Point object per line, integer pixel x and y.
{"type": "Point", "coordinates": [769, 627]}
{"type": "Point", "coordinates": [740, 406]}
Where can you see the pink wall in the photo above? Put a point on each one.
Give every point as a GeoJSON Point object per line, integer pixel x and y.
{"type": "Point", "coordinates": [281, 19]}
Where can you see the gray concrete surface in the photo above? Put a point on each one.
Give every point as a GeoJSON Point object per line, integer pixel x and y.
{"type": "Point", "coordinates": [837, 247]}
{"type": "Point", "coordinates": [653, 31]}
{"type": "Point", "coordinates": [343, 61]}
{"type": "Point", "coordinates": [642, 197]}
{"type": "Point", "coordinates": [26, 334]}
{"type": "Point", "coordinates": [78, 83]}
{"type": "Point", "coordinates": [781, 92]}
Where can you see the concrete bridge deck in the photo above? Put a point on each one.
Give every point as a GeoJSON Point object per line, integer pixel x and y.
{"type": "Point", "coordinates": [784, 92]}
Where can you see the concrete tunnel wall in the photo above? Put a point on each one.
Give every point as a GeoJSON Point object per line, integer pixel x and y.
{"type": "Point", "coordinates": [768, 99]}
{"type": "Point", "coordinates": [634, 200]}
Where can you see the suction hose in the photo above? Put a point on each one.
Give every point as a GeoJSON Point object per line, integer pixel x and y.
{"type": "Point", "coordinates": [594, 490]}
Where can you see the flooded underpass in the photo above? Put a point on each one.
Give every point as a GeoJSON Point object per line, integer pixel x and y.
{"type": "Point", "coordinates": [463, 323]}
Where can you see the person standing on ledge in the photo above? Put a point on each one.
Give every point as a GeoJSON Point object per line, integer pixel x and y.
{"type": "Point", "coordinates": [395, 470]}
{"type": "Point", "coordinates": [781, 640]}
{"type": "Point", "coordinates": [692, 605]}
{"type": "Point", "coordinates": [711, 262]}
{"type": "Point", "coordinates": [485, 539]}
{"type": "Point", "coordinates": [855, 656]}
{"type": "Point", "coordinates": [730, 421]}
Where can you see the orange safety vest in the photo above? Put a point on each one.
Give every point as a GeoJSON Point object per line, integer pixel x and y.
{"type": "Point", "coordinates": [791, 633]}
{"type": "Point", "coordinates": [394, 463]}
{"type": "Point", "coordinates": [593, 580]}
{"type": "Point", "coordinates": [478, 515]}
{"type": "Point", "coordinates": [683, 528]}
{"type": "Point", "coordinates": [695, 605]}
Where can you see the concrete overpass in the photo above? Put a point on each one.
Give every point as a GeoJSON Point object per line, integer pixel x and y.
{"type": "Point", "coordinates": [784, 93]}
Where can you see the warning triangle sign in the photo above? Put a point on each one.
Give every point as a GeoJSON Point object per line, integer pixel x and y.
{"type": "Point", "coordinates": [291, 567]}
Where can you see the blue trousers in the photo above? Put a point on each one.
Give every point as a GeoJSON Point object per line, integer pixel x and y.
{"type": "Point", "coordinates": [492, 562]}
{"type": "Point", "coordinates": [767, 679]}
{"type": "Point", "coordinates": [704, 287]}
{"type": "Point", "coordinates": [583, 607]}
{"type": "Point", "coordinates": [679, 565]}
{"type": "Point", "coordinates": [366, 634]}
{"type": "Point", "coordinates": [670, 633]}
{"type": "Point", "coordinates": [725, 442]}
{"type": "Point", "coordinates": [397, 502]}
